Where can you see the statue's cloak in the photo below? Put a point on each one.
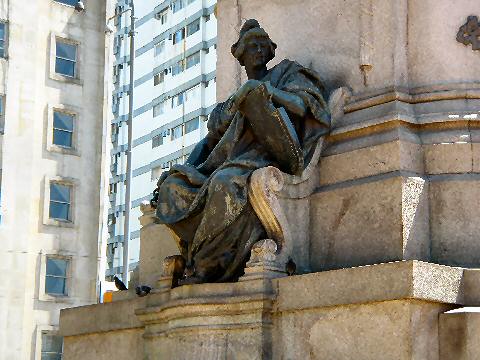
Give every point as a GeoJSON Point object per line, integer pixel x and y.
{"type": "Point", "coordinates": [205, 201]}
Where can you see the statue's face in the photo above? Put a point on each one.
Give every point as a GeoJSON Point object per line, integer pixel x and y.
{"type": "Point", "coordinates": [257, 51]}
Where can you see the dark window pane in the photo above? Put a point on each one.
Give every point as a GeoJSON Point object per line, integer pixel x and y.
{"type": "Point", "coordinates": [62, 138]}
{"type": "Point", "coordinates": [66, 51]}
{"type": "Point", "coordinates": [157, 141]}
{"type": "Point", "coordinates": [62, 121]}
{"type": "Point", "coordinates": [193, 60]}
{"type": "Point", "coordinates": [59, 192]}
{"type": "Point", "coordinates": [2, 31]}
{"type": "Point", "coordinates": [68, 2]}
{"type": "Point", "coordinates": [177, 132]}
{"type": "Point", "coordinates": [54, 285]}
{"type": "Point", "coordinates": [65, 67]}
{"type": "Point", "coordinates": [56, 267]}
{"type": "Point", "coordinates": [193, 27]}
{"type": "Point", "coordinates": [59, 210]}
{"type": "Point", "coordinates": [46, 356]}
{"type": "Point", "coordinates": [177, 68]}
{"type": "Point", "coordinates": [52, 343]}
{"type": "Point", "coordinates": [191, 125]}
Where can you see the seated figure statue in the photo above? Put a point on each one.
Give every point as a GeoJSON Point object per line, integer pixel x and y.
{"type": "Point", "coordinates": [274, 119]}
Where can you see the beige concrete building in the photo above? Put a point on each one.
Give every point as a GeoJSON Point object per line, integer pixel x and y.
{"type": "Point", "coordinates": [52, 87]}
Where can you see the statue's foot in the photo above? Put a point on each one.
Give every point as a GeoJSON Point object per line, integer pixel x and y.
{"type": "Point", "coordinates": [190, 280]}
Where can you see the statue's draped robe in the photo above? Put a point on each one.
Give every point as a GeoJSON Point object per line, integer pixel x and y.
{"type": "Point", "coordinates": [205, 201]}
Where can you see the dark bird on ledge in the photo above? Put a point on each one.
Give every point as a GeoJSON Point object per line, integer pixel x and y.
{"type": "Point", "coordinates": [119, 283]}
{"type": "Point", "coordinates": [142, 290]}
{"type": "Point", "coordinates": [290, 267]}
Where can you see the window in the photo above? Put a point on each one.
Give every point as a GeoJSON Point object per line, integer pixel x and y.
{"type": "Point", "coordinates": [157, 141]}
{"type": "Point", "coordinates": [3, 39]}
{"type": "Point", "coordinates": [162, 16]}
{"type": "Point", "coordinates": [56, 276]}
{"type": "Point", "coordinates": [158, 109]}
{"type": "Point", "coordinates": [193, 27]}
{"type": "Point", "coordinates": [60, 201]}
{"type": "Point", "coordinates": [62, 129]}
{"type": "Point", "coordinates": [68, 2]}
{"type": "Point", "coordinates": [178, 5]}
{"type": "Point", "coordinates": [177, 132]}
{"type": "Point", "coordinates": [177, 68]}
{"type": "Point", "coordinates": [2, 114]}
{"type": "Point", "coordinates": [191, 125]}
{"type": "Point", "coordinates": [190, 1]}
{"type": "Point", "coordinates": [66, 58]}
{"type": "Point", "coordinates": [156, 173]}
{"type": "Point", "coordinates": [158, 78]}
{"type": "Point", "coordinates": [177, 100]}
{"type": "Point", "coordinates": [159, 48]}
{"type": "Point", "coordinates": [52, 347]}
{"type": "Point", "coordinates": [192, 93]}
{"type": "Point", "coordinates": [178, 36]}
{"type": "Point", "coordinates": [193, 60]}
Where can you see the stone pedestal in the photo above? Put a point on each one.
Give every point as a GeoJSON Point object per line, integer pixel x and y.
{"type": "Point", "coordinates": [385, 311]}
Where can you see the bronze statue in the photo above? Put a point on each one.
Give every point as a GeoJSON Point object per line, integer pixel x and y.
{"type": "Point", "coordinates": [274, 119]}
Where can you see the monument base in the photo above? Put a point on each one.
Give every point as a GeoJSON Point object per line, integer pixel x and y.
{"type": "Point", "coordinates": [387, 311]}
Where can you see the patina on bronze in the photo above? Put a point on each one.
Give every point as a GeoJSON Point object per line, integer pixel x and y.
{"type": "Point", "coordinates": [274, 119]}
{"type": "Point", "coordinates": [469, 33]}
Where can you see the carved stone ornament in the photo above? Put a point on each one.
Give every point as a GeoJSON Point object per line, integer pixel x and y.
{"type": "Point", "coordinates": [469, 33]}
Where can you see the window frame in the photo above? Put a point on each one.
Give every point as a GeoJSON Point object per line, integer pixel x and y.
{"type": "Point", "coordinates": [70, 60]}
{"type": "Point", "coordinates": [178, 67]}
{"type": "Point", "coordinates": [161, 78]}
{"type": "Point", "coordinates": [161, 44]}
{"type": "Point", "coordinates": [196, 22]}
{"type": "Point", "coordinates": [183, 5]}
{"type": "Point", "coordinates": [156, 142]}
{"type": "Point", "coordinates": [64, 4]}
{"type": "Point", "coordinates": [72, 111]}
{"type": "Point", "coordinates": [172, 132]}
{"type": "Point", "coordinates": [161, 106]}
{"type": "Point", "coordinates": [65, 278]}
{"type": "Point", "coordinates": [41, 330]}
{"type": "Point", "coordinates": [194, 55]}
{"type": "Point", "coordinates": [77, 78]}
{"type": "Point", "coordinates": [183, 31]}
{"type": "Point", "coordinates": [74, 184]}
{"type": "Point", "coordinates": [68, 203]}
{"type": "Point", "coordinates": [5, 38]}
{"type": "Point", "coordinates": [68, 298]}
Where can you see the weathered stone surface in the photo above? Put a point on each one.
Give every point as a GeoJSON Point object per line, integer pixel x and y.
{"type": "Point", "coordinates": [458, 335]}
{"type": "Point", "coordinates": [454, 220]}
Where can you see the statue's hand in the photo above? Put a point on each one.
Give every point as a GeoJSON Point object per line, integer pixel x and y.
{"type": "Point", "coordinates": [243, 92]}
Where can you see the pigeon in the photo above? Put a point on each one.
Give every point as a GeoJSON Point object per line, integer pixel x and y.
{"type": "Point", "coordinates": [290, 267]}
{"type": "Point", "coordinates": [142, 290]}
{"type": "Point", "coordinates": [119, 283]}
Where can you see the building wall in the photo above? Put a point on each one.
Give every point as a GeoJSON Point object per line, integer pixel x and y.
{"type": "Point", "coordinates": [29, 162]}
{"type": "Point", "coordinates": [148, 160]}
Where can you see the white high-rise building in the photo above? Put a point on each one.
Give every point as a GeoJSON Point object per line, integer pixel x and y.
{"type": "Point", "coordinates": [52, 66]}
{"type": "Point", "coordinates": [174, 92]}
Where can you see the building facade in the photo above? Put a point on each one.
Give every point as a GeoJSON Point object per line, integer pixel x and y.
{"type": "Point", "coordinates": [52, 75]}
{"type": "Point", "coordinates": [174, 91]}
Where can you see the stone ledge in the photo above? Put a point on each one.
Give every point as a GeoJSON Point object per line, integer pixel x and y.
{"type": "Point", "coordinates": [373, 283]}
{"type": "Point", "coordinates": [119, 315]}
